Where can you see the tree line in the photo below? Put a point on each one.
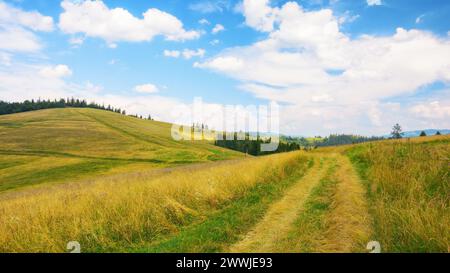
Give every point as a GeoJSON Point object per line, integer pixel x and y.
{"type": "Point", "coordinates": [32, 105]}
{"type": "Point", "coordinates": [252, 145]}
{"type": "Point", "coordinates": [343, 139]}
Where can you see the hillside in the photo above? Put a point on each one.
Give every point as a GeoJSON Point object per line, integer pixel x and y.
{"type": "Point", "coordinates": [67, 144]}
{"type": "Point", "coordinates": [132, 189]}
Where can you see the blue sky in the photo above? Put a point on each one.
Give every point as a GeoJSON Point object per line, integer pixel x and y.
{"type": "Point", "coordinates": [335, 66]}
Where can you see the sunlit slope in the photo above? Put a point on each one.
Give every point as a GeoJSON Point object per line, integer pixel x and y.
{"type": "Point", "coordinates": [61, 144]}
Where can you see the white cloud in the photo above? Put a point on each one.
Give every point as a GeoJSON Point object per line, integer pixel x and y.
{"type": "Point", "coordinates": [420, 19]}
{"type": "Point", "coordinates": [203, 21]}
{"type": "Point", "coordinates": [210, 6]}
{"type": "Point", "coordinates": [188, 53]}
{"type": "Point", "coordinates": [225, 64]}
{"type": "Point", "coordinates": [95, 19]}
{"type": "Point", "coordinates": [21, 82]}
{"type": "Point", "coordinates": [57, 71]}
{"type": "Point", "coordinates": [348, 17]}
{"type": "Point", "coordinates": [18, 39]}
{"type": "Point", "coordinates": [258, 14]}
{"type": "Point", "coordinates": [172, 53]}
{"type": "Point", "coordinates": [17, 29]}
{"type": "Point", "coordinates": [217, 28]}
{"type": "Point", "coordinates": [322, 98]}
{"type": "Point", "coordinates": [434, 110]}
{"type": "Point", "coordinates": [32, 20]}
{"type": "Point", "coordinates": [214, 42]}
{"type": "Point", "coordinates": [112, 45]}
{"type": "Point", "coordinates": [374, 2]}
{"type": "Point", "coordinates": [5, 59]}
{"type": "Point", "coordinates": [147, 88]}
{"type": "Point", "coordinates": [76, 41]}
{"type": "Point", "coordinates": [295, 65]}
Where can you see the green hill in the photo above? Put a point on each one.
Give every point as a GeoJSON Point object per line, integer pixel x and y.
{"type": "Point", "coordinates": [56, 145]}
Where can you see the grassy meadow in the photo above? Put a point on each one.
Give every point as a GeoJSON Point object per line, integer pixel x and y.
{"type": "Point", "coordinates": [57, 145]}
{"type": "Point", "coordinates": [124, 213]}
{"type": "Point", "coordinates": [121, 184]}
{"type": "Point", "coordinates": [408, 186]}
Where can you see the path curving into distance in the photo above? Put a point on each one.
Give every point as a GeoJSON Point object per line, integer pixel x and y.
{"type": "Point", "coordinates": [325, 211]}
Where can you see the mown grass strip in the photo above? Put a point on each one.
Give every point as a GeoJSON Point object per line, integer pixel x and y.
{"type": "Point", "coordinates": [224, 227]}
{"type": "Point", "coordinates": [154, 140]}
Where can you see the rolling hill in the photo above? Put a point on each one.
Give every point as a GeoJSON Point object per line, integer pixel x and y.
{"type": "Point", "coordinates": [130, 188]}
{"type": "Point", "coordinates": [67, 144]}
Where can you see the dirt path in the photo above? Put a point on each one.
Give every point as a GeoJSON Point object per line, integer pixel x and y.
{"type": "Point", "coordinates": [348, 223]}
{"type": "Point", "coordinates": [280, 216]}
{"type": "Point", "coordinates": [345, 226]}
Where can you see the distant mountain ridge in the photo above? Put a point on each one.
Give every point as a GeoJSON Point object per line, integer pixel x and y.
{"type": "Point", "coordinates": [429, 132]}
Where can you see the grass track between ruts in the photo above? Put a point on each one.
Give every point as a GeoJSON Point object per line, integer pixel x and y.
{"type": "Point", "coordinates": [308, 228]}
{"type": "Point", "coordinates": [269, 233]}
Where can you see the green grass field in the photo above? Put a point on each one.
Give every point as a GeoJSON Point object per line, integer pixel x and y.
{"type": "Point", "coordinates": [121, 184]}
{"type": "Point", "coordinates": [67, 144]}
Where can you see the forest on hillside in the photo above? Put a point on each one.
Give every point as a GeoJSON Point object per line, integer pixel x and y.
{"type": "Point", "coordinates": [32, 105]}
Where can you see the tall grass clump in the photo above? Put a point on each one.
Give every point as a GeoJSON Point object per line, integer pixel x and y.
{"type": "Point", "coordinates": [409, 193]}
{"type": "Point", "coordinates": [114, 214]}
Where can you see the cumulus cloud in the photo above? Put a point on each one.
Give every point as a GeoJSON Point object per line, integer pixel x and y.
{"type": "Point", "coordinates": [18, 39]}
{"type": "Point", "coordinates": [217, 28]}
{"type": "Point", "coordinates": [17, 29]}
{"type": "Point", "coordinates": [95, 19]}
{"type": "Point", "coordinates": [434, 110]}
{"type": "Point", "coordinates": [172, 53]}
{"type": "Point", "coordinates": [32, 20]}
{"type": "Point", "coordinates": [295, 64]}
{"type": "Point", "coordinates": [186, 53]}
{"type": "Point", "coordinates": [203, 21]}
{"type": "Point", "coordinates": [225, 64]}
{"type": "Point", "coordinates": [147, 88]}
{"type": "Point", "coordinates": [374, 2]}
{"type": "Point", "coordinates": [258, 14]}
{"type": "Point", "coordinates": [57, 71]}
{"type": "Point", "coordinates": [348, 17]}
{"type": "Point", "coordinates": [25, 82]}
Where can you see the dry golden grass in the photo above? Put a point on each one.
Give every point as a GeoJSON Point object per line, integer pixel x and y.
{"type": "Point", "coordinates": [61, 145]}
{"type": "Point", "coordinates": [326, 211]}
{"type": "Point", "coordinates": [113, 214]}
{"type": "Point", "coordinates": [409, 192]}
{"type": "Point", "coordinates": [270, 233]}
{"type": "Point", "coordinates": [348, 223]}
